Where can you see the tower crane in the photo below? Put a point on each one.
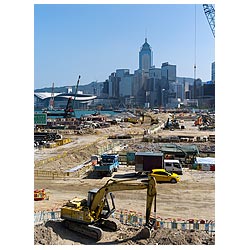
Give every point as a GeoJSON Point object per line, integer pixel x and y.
{"type": "Point", "coordinates": [210, 14]}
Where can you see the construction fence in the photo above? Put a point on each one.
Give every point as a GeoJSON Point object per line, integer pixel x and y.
{"type": "Point", "coordinates": [137, 219]}
{"type": "Point", "coordinates": [44, 216]}
{"type": "Point", "coordinates": [52, 175]}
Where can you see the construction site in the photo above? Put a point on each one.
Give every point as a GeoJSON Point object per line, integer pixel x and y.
{"type": "Point", "coordinates": [88, 189]}
{"type": "Point", "coordinates": [145, 176]}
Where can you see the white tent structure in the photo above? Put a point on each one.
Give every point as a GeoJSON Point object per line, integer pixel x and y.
{"type": "Point", "coordinates": [205, 163]}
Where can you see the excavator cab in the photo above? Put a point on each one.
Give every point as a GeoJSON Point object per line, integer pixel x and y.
{"type": "Point", "coordinates": [109, 204]}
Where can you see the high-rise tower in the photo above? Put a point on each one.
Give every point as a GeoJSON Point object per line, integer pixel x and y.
{"type": "Point", "coordinates": [145, 57]}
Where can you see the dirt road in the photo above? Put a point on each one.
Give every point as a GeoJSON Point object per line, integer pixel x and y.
{"type": "Point", "coordinates": [193, 197]}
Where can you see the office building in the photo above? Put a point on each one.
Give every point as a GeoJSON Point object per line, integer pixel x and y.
{"type": "Point", "coordinates": [213, 73]}
{"type": "Point", "coordinates": [145, 57]}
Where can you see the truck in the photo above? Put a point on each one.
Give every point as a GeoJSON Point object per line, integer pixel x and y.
{"type": "Point", "coordinates": [173, 166]}
{"type": "Point", "coordinates": [108, 164]}
{"type": "Point", "coordinates": [146, 161]}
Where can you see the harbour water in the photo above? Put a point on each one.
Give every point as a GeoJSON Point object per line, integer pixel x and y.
{"type": "Point", "coordinates": [79, 113]}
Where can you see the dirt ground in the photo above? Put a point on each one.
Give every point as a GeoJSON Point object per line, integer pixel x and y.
{"type": "Point", "coordinates": [53, 233]}
{"type": "Point", "coordinates": [192, 198]}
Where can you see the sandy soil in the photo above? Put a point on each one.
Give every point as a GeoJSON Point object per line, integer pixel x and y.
{"type": "Point", "coordinates": [53, 233]}
{"type": "Point", "coordinates": [193, 197]}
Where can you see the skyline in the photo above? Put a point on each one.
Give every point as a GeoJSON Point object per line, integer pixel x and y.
{"type": "Point", "coordinates": [84, 39]}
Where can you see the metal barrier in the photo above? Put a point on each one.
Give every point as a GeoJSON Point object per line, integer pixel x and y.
{"type": "Point", "coordinates": [44, 216]}
{"type": "Point", "coordinates": [136, 219]}
{"type": "Point", "coordinates": [49, 174]}
{"type": "Point", "coordinates": [129, 217]}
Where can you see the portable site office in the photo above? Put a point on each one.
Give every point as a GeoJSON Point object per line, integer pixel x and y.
{"type": "Point", "coordinates": [185, 153]}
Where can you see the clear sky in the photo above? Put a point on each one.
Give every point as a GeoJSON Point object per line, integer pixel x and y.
{"type": "Point", "coordinates": [95, 40]}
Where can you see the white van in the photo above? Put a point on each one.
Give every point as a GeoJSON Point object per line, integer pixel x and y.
{"type": "Point", "coordinates": [173, 166]}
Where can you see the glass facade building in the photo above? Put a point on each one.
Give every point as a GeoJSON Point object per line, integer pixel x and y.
{"type": "Point", "coordinates": [145, 57]}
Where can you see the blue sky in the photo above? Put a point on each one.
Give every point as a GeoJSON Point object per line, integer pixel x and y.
{"type": "Point", "coordinates": [95, 40]}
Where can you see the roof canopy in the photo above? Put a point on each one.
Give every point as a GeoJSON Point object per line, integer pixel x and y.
{"type": "Point", "coordinates": [180, 149]}
{"type": "Point", "coordinates": [78, 97]}
{"type": "Point", "coordinates": [205, 160]}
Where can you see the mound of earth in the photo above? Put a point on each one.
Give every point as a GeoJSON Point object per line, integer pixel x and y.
{"type": "Point", "coordinates": [165, 236]}
{"type": "Point", "coordinates": [54, 233]}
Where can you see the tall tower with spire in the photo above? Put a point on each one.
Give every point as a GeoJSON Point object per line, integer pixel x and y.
{"type": "Point", "coordinates": [145, 57]}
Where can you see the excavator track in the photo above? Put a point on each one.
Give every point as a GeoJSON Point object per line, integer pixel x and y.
{"type": "Point", "coordinates": [91, 231]}
{"type": "Point", "coordinates": [111, 224]}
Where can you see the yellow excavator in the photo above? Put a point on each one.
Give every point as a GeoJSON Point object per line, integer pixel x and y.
{"type": "Point", "coordinates": [89, 216]}
{"type": "Point", "coordinates": [152, 120]}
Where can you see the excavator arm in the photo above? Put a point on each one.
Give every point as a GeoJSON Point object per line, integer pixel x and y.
{"type": "Point", "coordinates": [88, 216]}
{"type": "Point", "coordinates": [112, 185]}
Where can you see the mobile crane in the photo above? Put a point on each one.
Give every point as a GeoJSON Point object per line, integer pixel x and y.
{"type": "Point", "coordinates": [69, 110]}
{"type": "Point", "coordinates": [88, 216]}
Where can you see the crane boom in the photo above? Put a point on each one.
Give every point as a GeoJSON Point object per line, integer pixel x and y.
{"type": "Point", "coordinates": [210, 14]}
{"type": "Point", "coordinates": [73, 105]}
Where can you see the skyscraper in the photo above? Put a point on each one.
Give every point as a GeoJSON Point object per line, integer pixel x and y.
{"type": "Point", "coordinates": [145, 57]}
{"type": "Point", "coordinates": [213, 72]}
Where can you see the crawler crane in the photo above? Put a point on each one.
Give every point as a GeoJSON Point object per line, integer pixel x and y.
{"type": "Point", "coordinates": [88, 216]}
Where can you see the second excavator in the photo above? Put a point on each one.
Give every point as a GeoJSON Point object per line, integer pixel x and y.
{"type": "Point", "coordinates": [89, 216]}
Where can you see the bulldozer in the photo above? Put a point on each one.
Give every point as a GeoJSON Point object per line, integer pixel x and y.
{"type": "Point", "coordinates": [89, 216]}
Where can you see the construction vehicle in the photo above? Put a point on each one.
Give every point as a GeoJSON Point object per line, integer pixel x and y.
{"type": "Point", "coordinates": [152, 120]}
{"type": "Point", "coordinates": [108, 164]}
{"type": "Point", "coordinates": [146, 161]}
{"type": "Point", "coordinates": [205, 122]}
{"type": "Point", "coordinates": [210, 14]}
{"type": "Point", "coordinates": [133, 120]}
{"type": "Point", "coordinates": [198, 121]}
{"type": "Point", "coordinates": [51, 101]}
{"type": "Point", "coordinates": [68, 112]}
{"type": "Point", "coordinates": [40, 194]}
{"type": "Point", "coordinates": [172, 123]}
{"type": "Point", "coordinates": [89, 216]}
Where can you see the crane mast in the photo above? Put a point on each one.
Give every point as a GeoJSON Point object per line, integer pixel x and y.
{"type": "Point", "coordinates": [51, 101]}
{"type": "Point", "coordinates": [210, 14]}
